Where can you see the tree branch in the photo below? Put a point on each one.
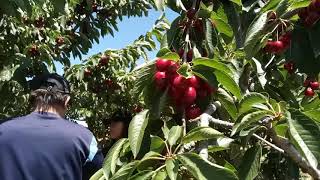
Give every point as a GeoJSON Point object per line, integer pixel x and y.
{"type": "Point", "coordinates": [280, 144]}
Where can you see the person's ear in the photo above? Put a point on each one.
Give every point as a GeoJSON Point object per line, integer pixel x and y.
{"type": "Point", "coordinates": [66, 102]}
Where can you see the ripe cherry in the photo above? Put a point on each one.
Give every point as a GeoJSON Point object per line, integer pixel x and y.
{"type": "Point", "coordinates": [179, 82]}
{"type": "Point", "coordinates": [94, 7]}
{"type": "Point", "coordinates": [34, 51]}
{"type": "Point", "coordinates": [314, 85]}
{"type": "Point", "coordinates": [189, 55]}
{"type": "Point", "coordinates": [309, 92]}
{"type": "Point", "coordinates": [193, 112]}
{"type": "Point", "coordinates": [289, 66]}
{"type": "Point", "coordinates": [108, 82]}
{"type": "Point", "coordinates": [59, 40]}
{"type": "Point", "coordinates": [160, 79]}
{"type": "Point", "coordinates": [104, 60]}
{"type": "Point", "coordinates": [172, 67]}
{"type": "Point", "coordinates": [191, 13]}
{"type": "Point", "coordinates": [162, 64]}
{"type": "Point", "coordinates": [180, 52]}
{"type": "Point", "coordinates": [306, 83]}
{"type": "Point", "coordinates": [87, 72]}
{"type": "Point", "coordinates": [190, 95]}
{"type": "Point", "coordinates": [193, 82]}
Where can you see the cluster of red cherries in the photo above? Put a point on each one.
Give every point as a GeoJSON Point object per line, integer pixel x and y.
{"type": "Point", "coordinates": [311, 85]}
{"type": "Point", "coordinates": [311, 14]}
{"type": "Point", "coordinates": [280, 45]}
{"type": "Point", "coordinates": [183, 91]}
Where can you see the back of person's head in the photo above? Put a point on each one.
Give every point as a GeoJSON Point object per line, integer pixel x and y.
{"type": "Point", "coordinates": [48, 91]}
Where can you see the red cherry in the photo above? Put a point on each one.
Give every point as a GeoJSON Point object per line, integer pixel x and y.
{"type": "Point", "coordinates": [179, 82]}
{"type": "Point", "coordinates": [94, 7]}
{"type": "Point", "coordinates": [162, 64]}
{"type": "Point", "coordinates": [87, 72]}
{"type": "Point", "coordinates": [189, 55]}
{"type": "Point", "coordinates": [309, 92]}
{"type": "Point", "coordinates": [314, 6]}
{"type": "Point", "coordinates": [191, 13]}
{"type": "Point", "coordinates": [193, 112]}
{"type": "Point", "coordinates": [104, 60]}
{"type": "Point", "coordinates": [180, 52]}
{"type": "Point", "coordinates": [60, 41]}
{"type": "Point", "coordinates": [160, 79]}
{"type": "Point", "coordinates": [286, 39]}
{"type": "Point", "coordinates": [279, 46]}
{"type": "Point", "coordinates": [314, 85]}
{"type": "Point", "coordinates": [289, 66]}
{"type": "Point", "coordinates": [172, 67]}
{"type": "Point", "coordinates": [306, 83]}
{"type": "Point", "coordinates": [190, 95]}
{"type": "Point", "coordinates": [108, 82]}
{"type": "Point", "coordinates": [193, 82]}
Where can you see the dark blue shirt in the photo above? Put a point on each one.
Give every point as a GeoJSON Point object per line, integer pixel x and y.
{"type": "Point", "coordinates": [44, 146]}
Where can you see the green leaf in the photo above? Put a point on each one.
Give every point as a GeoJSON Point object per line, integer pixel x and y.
{"type": "Point", "coordinates": [157, 144]}
{"type": "Point", "coordinates": [142, 175]}
{"type": "Point", "coordinates": [159, 4]}
{"type": "Point", "coordinates": [219, 144]}
{"type": "Point", "coordinates": [213, 63]}
{"type": "Point", "coordinates": [172, 167]}
{"type": "Point", "coordinates": [249, 100]}
{"type": "Point", "coordinates": [221, 25]}
{"type": "Point", "coordinates": [206, 73]}
{"type": "Point", "coordinates": [202, 169]}
{"type": "Point", "coordinates": [185, 70]}
{"type": "Point", "coordinates": [136, 131]}
{"type": "Point", "coordinates": [249, 119]}
{"type": "Point", "coordinates": [271, 5]}
{"type": "Point", "coordinates": [160, 175]}
{"type": "Point", "coordinates": [227, 102]}
{"type": "Point", "coordinates": [250, 164]}
{"type": "Point", "coordinates": [238, 2]}
{"type": "Point", "coordinates": [97, 175]}
{"type": "Point", "coordinates": [125, 171]}
{"type": "Point", "coordinates": [109, 164]}
{"type": "Point", "coordinates": [163, 52]}
{"type": "Point", "coordinates": [144, 77]}
{"type": "Point", "coordinates": [175, 134]}
{"type": "Point", "coordinates": [171, 56]}
{"type": "Point", "coordinates": [228, 83]}
{"type": "Point", "coordinates": [313, 114]}
{"type": "Point", "coordinates": [299, 4]}
{"type": "Point", "coordinates": [201, 133]}
{"type": "Point", "coordinates": [305, 133]}
{"type": "Point", "coordinates": [254, 34]}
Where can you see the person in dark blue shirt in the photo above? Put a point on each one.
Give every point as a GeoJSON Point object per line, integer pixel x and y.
{"type": "Point", "coordinates": [43, 145]}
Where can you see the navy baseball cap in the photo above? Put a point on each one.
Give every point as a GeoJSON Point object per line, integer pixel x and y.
{"type": "Point", "coordinates": [51, 82]}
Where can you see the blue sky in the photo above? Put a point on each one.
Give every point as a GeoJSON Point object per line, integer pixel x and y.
{"type": "Point", "coordinates": [129, 30]}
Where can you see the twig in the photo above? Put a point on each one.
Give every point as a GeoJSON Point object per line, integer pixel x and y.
{"type": "Point", "coordinates": [268, 143]}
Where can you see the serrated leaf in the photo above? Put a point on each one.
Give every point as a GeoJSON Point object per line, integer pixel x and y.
{"type": "Point", "coordinates": [175, 134]}
{"type": "Point", "coordinates": [109, 165]}
{"type": "Point", "coordinates": [305, 133]}
{"type": "Point", "coordinates": [125, 171]}
{"type": "Point", "coordinates": [250, 164]}
{"type": "Point", "coordinates": [249, 100]}
{"type": "Point", "coordinates": [185, 70]}
{"type": "Point", "coordinates": [255, 32]}
{"type": "Point", "coordinates": [213, 63]}
{"type": "Point", "coordinates": [171, 56]}
{"type": "Point", "coordinates": [203, 169]}
{"type": "Point", "coordinates": [227, 102]}
{"type": "Point", "coordinates": [172, 167]}
{"type": "Point", "coordinates": [144, 77]}
{"type": "Point", "coordinates": [228, 83]}
{"type": "Point", "coordinates": [160, 175]}
{"type": "Point", "coordinates": [249, 119]}
{"type": "Point", "coordinates": [136, 131]}
{"type": "Point", "coordinates": [201, 133]}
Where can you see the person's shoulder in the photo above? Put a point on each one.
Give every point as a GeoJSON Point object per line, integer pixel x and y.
{"type": "Point", "coordinates": [79, 128]}
{"type": "Point", "coordinates": [12, 119]}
